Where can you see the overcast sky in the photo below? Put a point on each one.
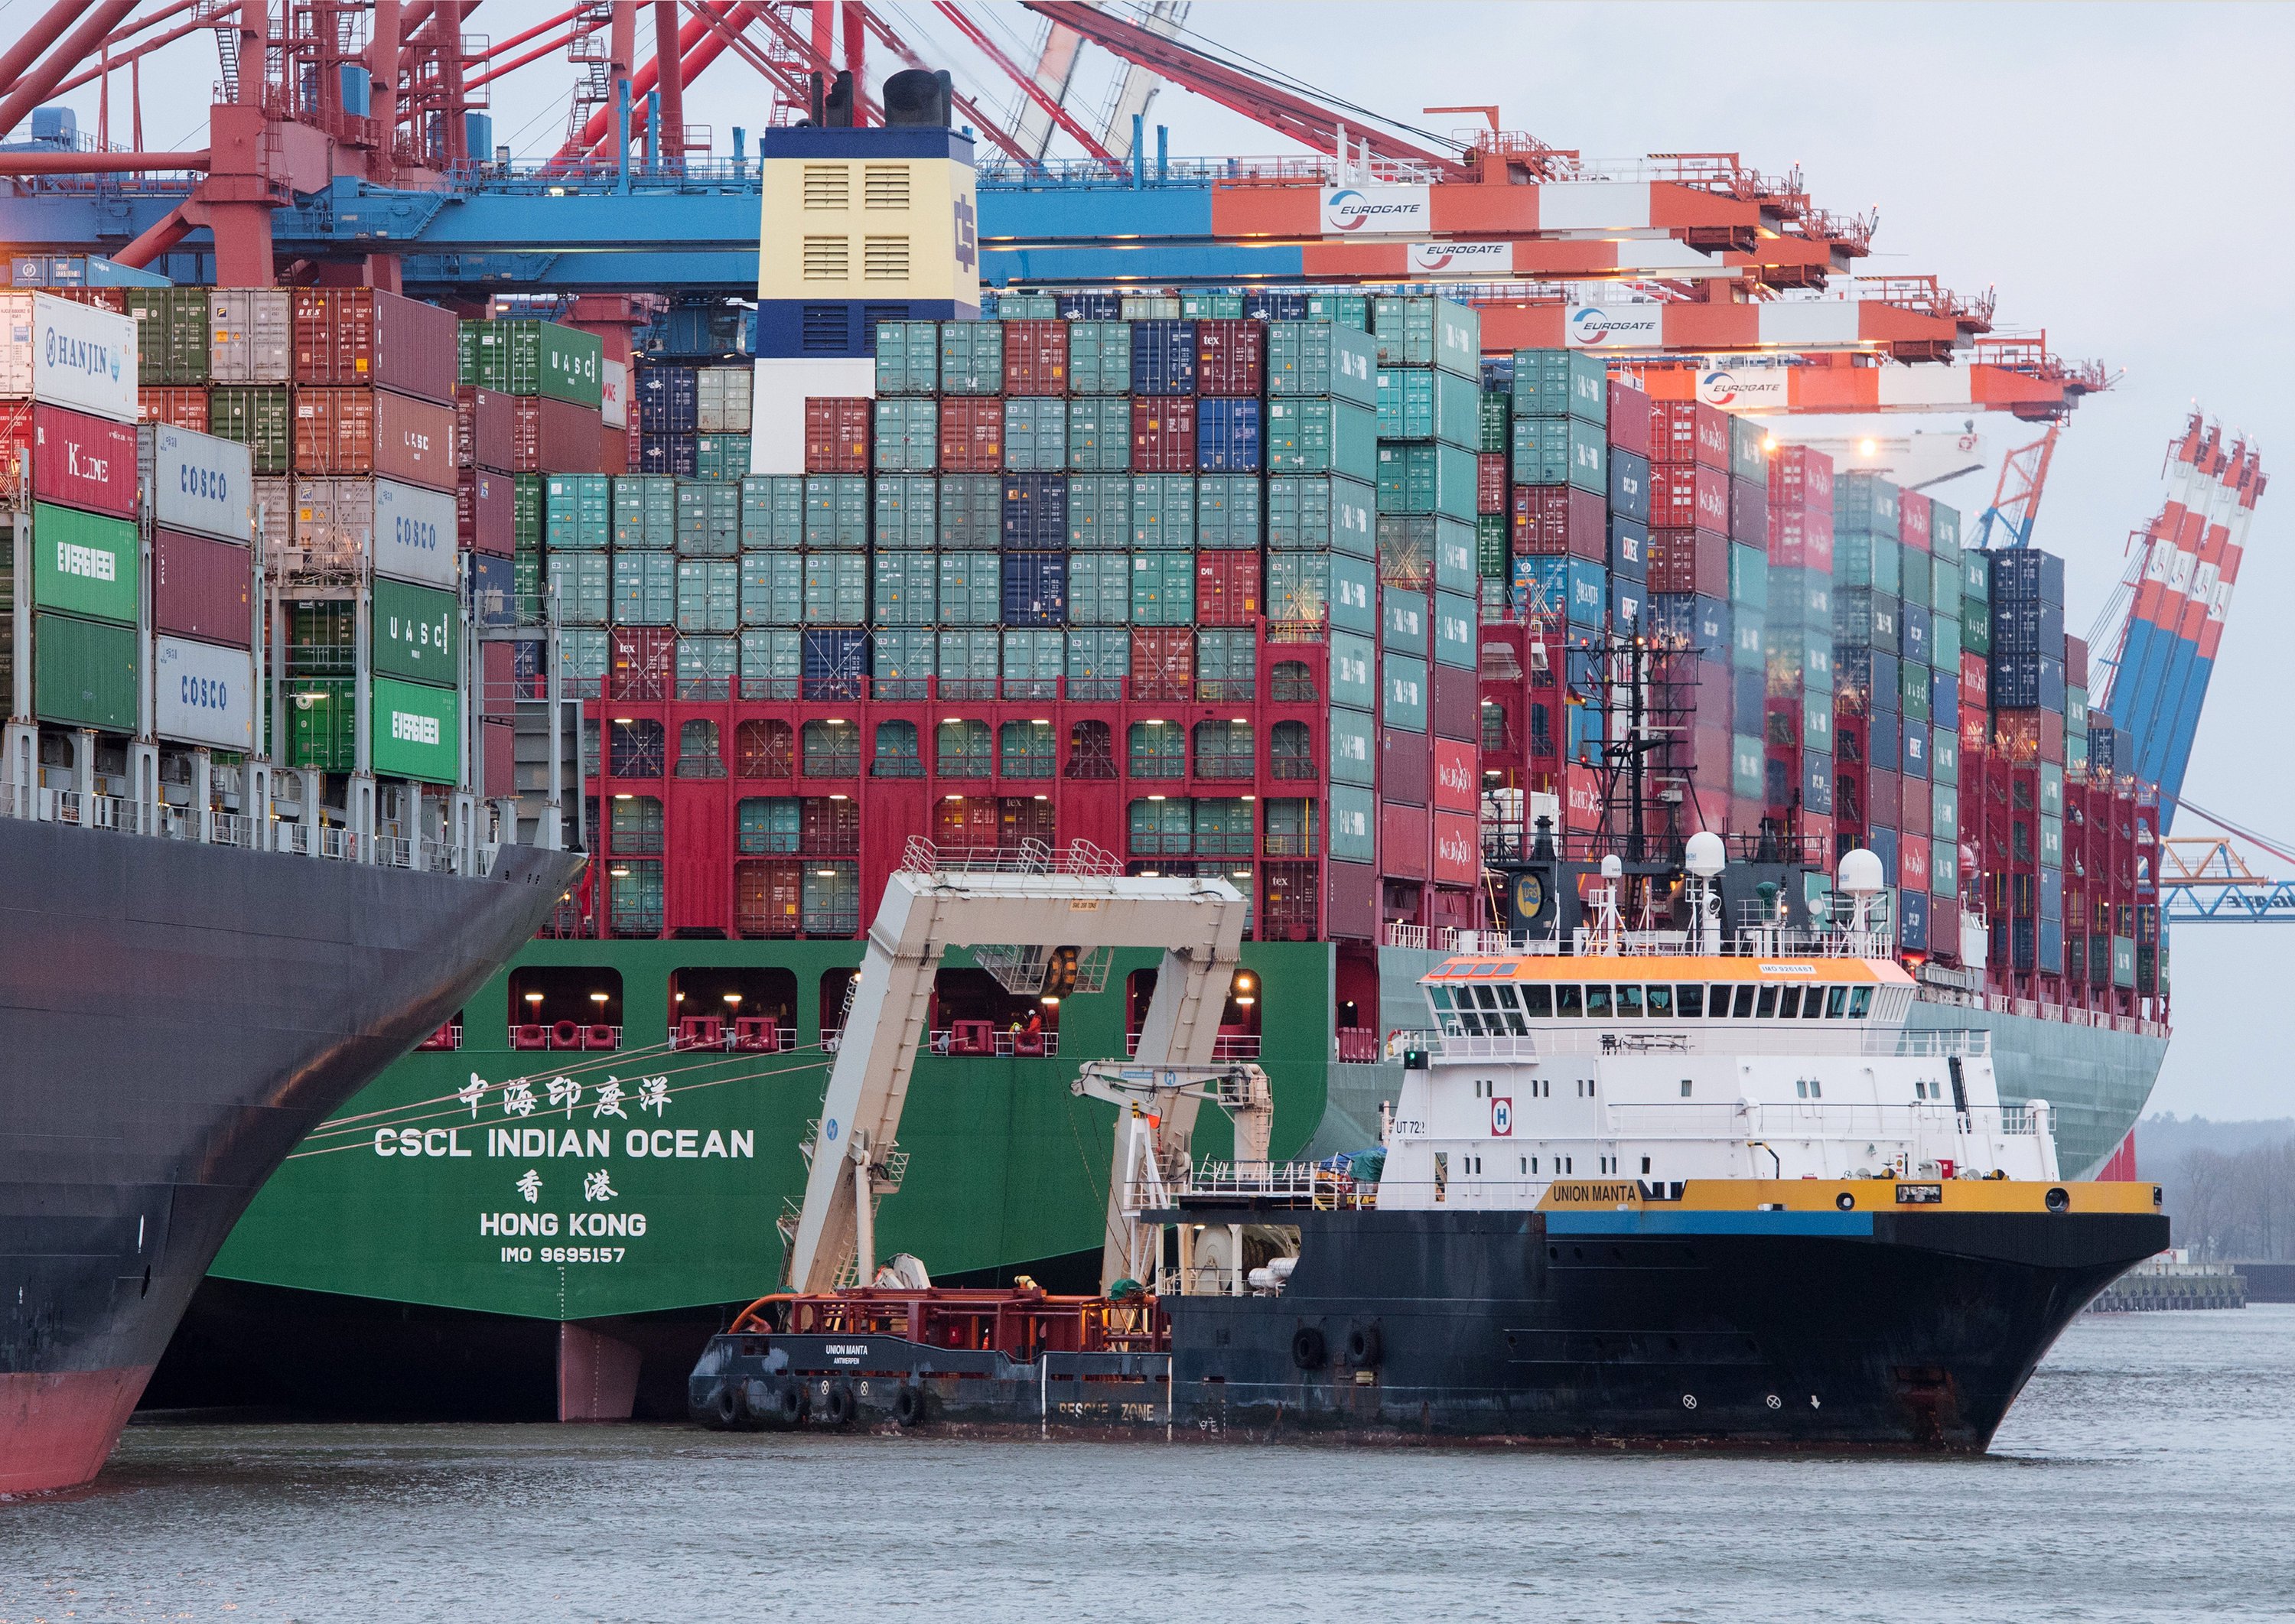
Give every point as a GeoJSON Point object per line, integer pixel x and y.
{"type": "Point", "coordinates": [2118, 173]}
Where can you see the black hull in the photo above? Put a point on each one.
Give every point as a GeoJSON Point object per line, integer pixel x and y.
{"type": "Point", "coordinates": [176, 1019]}
{"type": "Point", "coordinates": [1789, 1330]}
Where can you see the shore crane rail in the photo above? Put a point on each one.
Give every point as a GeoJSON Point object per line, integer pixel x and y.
{"type": "Point", "coordinates": [1074, 901]}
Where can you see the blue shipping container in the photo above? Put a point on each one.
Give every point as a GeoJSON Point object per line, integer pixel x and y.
{"type": "Point", "coordinates": [1226, 436]}
{"type": "Point", "coordinates": [1629, 486]}
{"type": "Point", "coordinates": [1162, 357]}
{"type": "Point", "coordinates": [1629, 548]}
{"type": "Point", "coordinates": [1035, 512]}
{"type": "Point", "coordinates": [1035, 589]}
{"type": "Point", "coordinates": [836, 663]}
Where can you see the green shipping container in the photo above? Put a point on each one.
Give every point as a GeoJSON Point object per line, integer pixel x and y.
{"type": "Point", "coordinates": [906, 512]}
{"type": "Point", "coordinates": [1945, 644]}
{"type": "Point", "coordinates": [1099, 361]}
{"type": "Point", "coordinates": [837, 512]}
{"type": "Point", "coordinates": [708, 595]}
{"type": "Point", "coordinates": [1210, 307]}
{"type": "Point", "coordinates": [835, 589]}
{"type": "Point", "coordinates": [1354, 747]}
{"type": "Point", "coordinates": [1498, 416]}
{"type": "Point", "coordinates": [1097, 654]}
{"type": "Point", "coordinates": [907, 432]}
{"type": "Point", "coordinates": [416, 732]}
{"type": "Point", "coordinates": [1747, 772]}
{"type": "Point", "coordinates": [1748, 458]}
{"type": "Point", "coordinates": [645, 512]}
{"type": "Point", "coordinates": [645, 588]}
{"type": "Point", "coordinates": [1322, 589]}
{"type": "Point", "coordinates": [709, 518]}
{"type": "Point", "coordinates": [903, 658]}
{"type": "Point", "coordinates": [971, 589]}
{"type": "Point", "coordinates": [707, 668]}
{"type": "Point", "coordinates": [1354, 670]}
{"type": "Point", "coordinates": [85, 563]}
{"type": "Point", "coordinates": [1861, 559]}
{"type": "Point", "coordinates": [1422, 477]}
{"type": "Point", "coordinates": [260, 417]}
{"type": "Point", "coordinates": [416, 633]}
{"type": "Point", "coordinates": [1162, 589]}
{"type": "Point", "coordinates": [1100, 434]}
{"type": "Point", "coordinates": [1035, 656]}
{"type": "Point", "coordinates": [172, 335]}
{"type": "Point", "coordinates": [1322, 436]}
{"type": "Point", "coordinates": [1229, 514]}
{"type": "Point", "coordinates": [323, 723]}
{"type": "Point", "coordinates": [907, 359]}
{"type": "Point", "coordinates": [1035, 433]}
{"type": "Point", "coordinates": [971, 510]}
{"type": "Point", "coordinates": [578, 513]}
{"type": "Point", "coordinates": [1164, 512]}
{"type": "Point", "coordinates": [721, 456]}
{"type": "Point", "coordinates": [1355, 822]}
{"type": "Point", "coordinates": [1559, 383]}
{"type": "Point", "coordinates": [772, 513]}
{"type": "Point", "coordinates": [972, 358]}
{"type": "Point", "coordinates": [1944, 836]}
{"type": "Point", "coordinates": [1311, 511]}
{"type": "Point", "coordinates": [1975, 578]}
{"type": "Point", "coordinates": [1493, 547]}
{"type": "Point", "coordinates": [1976, 628]}
{"type": "Point", "coordinates": [526, 504]}
{"type": "Point", "coordinates": [83, 672]}
{"type": "Point", "coordinates": [529, 357]}
{"type": "Point", "coordinates": [1419, 332]}
{"type": "Point", "coordinates": [1421, 404]}
{"type": "Point", "coordinates": [1912, 691]}
{"type": "Point", "coordinates": [905, 591]}
{"type": "Point", "coordinates": [1749, 577]}
{"type": "Point", "coordinates": [1560, 451]}
{"type": "Point", "coordinates": [2051, 842]}
{"type": "Point", "coordinates": [1348, 310]}
{"type": "Point", "coordinates": [1100, 509]}
{"type": "Point", "coordinates": [1099, 589]}
{"type": "Point", "coordinates": [1944, 756]}
{"type": "Point", "coordinates": [1402, 684]}
{"type": "Point", "coordinates": [1944, 581]}
{"type": "Point", "coordinates": [1916, 575]}
{"type": "Point", "coordinates": [772, 588]}
{"type": "Point", "coordinates": [1307, 359]}
{"type": "Point", "coordinates": [1944, 533]}
{"type": "Point", "coordinates": [1455, 619]}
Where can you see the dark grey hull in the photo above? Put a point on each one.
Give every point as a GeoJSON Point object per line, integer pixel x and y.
{"type": "Point", "coordinates": [173, 1019]}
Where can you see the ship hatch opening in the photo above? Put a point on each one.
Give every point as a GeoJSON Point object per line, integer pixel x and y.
{"type": "Point", "coordinates": [727, 993]}
{"type": "Point", "coordinates": [544, 995]}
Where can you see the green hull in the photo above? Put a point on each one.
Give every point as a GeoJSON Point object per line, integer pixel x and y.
{"type": "Point", "coordinates": [1006, 1165]}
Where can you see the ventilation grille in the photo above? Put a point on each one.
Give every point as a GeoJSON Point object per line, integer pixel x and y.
{"type": "Point", "coordinates": [828, 259]}
{"type": "Point", "coordinates": [886, 260]}
{"type": "Point", "coordinates": [829, 186]}
{"type": "Point", "coordinates": [885, 186]}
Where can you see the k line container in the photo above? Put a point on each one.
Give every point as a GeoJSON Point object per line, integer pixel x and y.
{"type": "Point", "coordinates": [414, 537]}
{"type": "Point", "coordinates": [202, 589]}
{"type": "Point", "coordinates": [87, 463]}
{"type": "Point", "coordinates": [204, 484]}
{"type": "Point", "coordinates": [203, 694]}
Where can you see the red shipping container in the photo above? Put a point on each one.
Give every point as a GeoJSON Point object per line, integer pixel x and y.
{"type": "Point", "coordinates": [1227, 588]}
{"type": "Point", "coordinates": [1683, 494]}
{"type": "Point", "coordinates": [1350, 906]}
{"type": "Point", "coordinates": [373, 431]}
{"type": "Point", "coordinates": [351, 336]}
{"type": "Point", "coordinates": [1163, 663]}
{"type": "Point", "coordinates": [1883, 798]}
{"type": "Point", "coordinates": [641, 663]}
{"type": "Point", "coordinates": [1402, 841]}
{"type": "Point", "coordinates": [1163, 434]}
{"type": "Point", "coordinates": [1800, 539]}
{"type": "Point", "coordinates": [1690, 561]}
{"type": "Point", "coordinates": [82, 461]}
{"type": "Point", "coordinates": [1553, 520]}
{"type": "Point", "coordinates": [1819, 831]}
{"type": "Point", "coordinates": [1458, 775]}
{"type": "Point", "coordinates": [1035, 357]}
{"type": "Point", "coordinates": [114, 299]}
{"type": "Point", "coordinates": [1230, 357]}
{"type": "Point", "coordinates": [613, 448]}
{"type": "Point", "coordinates": [493, 430]}
{"type": "Point", "coordinates": [1944, 926]}
{"type": "Point", "coordinates": [1406, 767]}
{"type": "Point", "coordinates": [1975, 682]}
{"type": "Point", "coordinates": [971, 434]}
{"type": "Point", "coordinates": [1630, 418]}
{"type": "Point", "coordinates": [1975, 733]}
{"type": "Point", "coordinates": [176, 408]}
{"type": "Point", "coordinates": [1801, 480]}
{"type": "Point", "coordinates": [1581, 799]}
{"type": "Point", "coordinates": [201, 589]}
{"type": "Point", "coordinates": [466, 426]}
{"type": "Point", "coordinates": [1454, 707]}
{"type": "Point", "coordinates": [525, 434]}
{"type": "Point", "coordinates": [2076, 662]}
{"type": "Point", "coordinates": [1913, 816]}
{"type": "Point", "coordinates": [493, 513]}
{"type": "Point", "coordinates": [1913, 511]}
{"type": "Point", "coordinates": [565, 437]}
{"type": "Point", "coordinates": [1710, 751]}
{"type": "Point", "coordinates": [1457, 849]}
{"type": "Point", "coordinates": [1490, 482]}
{"type": "Point", "coordinates": [1749, 512]}
{"type": "Point", "coordinates": [837, 434]}
{"type": "Point", "coordinates": [1684, 431]}
{"type": "Point", "coordinates": [498, 757]}
{"type": "Point", "coordinates": [497, 693]}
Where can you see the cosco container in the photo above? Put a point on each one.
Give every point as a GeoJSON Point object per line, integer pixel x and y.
{"type": "Point", "coordinates": [199, 482]}
{"type": "Point", "coordinates": [413, 532]}
{"type": "Point", "coordinates": [203, 695]}
{"type": "Point", "coordinates": [1307, 359]}
{"type": "Point", "coordinates": [416, 732]}
{"type": "Point", "coordinates": [83, 672]}
{"type": "Point", "coordinates": [1322, 510]}
{"type": "Point", "coordinates": [203, 588]}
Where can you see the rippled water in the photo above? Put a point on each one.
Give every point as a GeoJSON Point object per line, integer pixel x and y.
{"type": "Point", "coordinates": [2148, 1473]}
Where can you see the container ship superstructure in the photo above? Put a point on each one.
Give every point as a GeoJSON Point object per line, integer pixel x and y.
{"type": "Point", "coordinates": [1322, 590]}
{"type": "Point", "coordinates": [205, 951]}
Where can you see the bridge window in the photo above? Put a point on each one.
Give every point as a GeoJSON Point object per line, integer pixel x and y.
{"type": "Point", "coordinates": [1598, 1003]}
{"type": "Point", "coordinates": [1569, 1002]}
{"type": "Point", "coordinates": [1788, 1003]}
{"type": "Point", "coordinates": [1743, 1010]}
{"type": "Point", "coordinates": [1537, 1002]}
{"type": "Point", "coordinates": [1766, 1007]}
{"type": "Point", "coordinates": [1690, 999]}
{"type": "Point", "coordinates": [545, 995]}
{"type": "Point", "coordinates": [1860, 1002]}
{"type": "Point", "coordinates": [1810, 1003]}
{"type": "Point", "coordinates": [1629, 1003]}
{"type": "Point", "coordinates": [1660, 1003]}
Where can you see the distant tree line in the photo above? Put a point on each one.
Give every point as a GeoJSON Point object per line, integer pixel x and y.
{"type": "Point", "coordinates": [2228, 1204]}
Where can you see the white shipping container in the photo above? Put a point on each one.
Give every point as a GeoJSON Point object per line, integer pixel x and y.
{"type": "Point", "coordinates": [66, 354]}
{"type": "Point", "coordinates": [777, 404]}
{"type": "Point", "coordinates": [274, 515]}
{"type": "Point", "coordinates": [203, 484]}
{"type": "Point", "coordinates": [250, 335]}
{"type": "Point", "coordinates": [334, 520]}
{"type": "Point", "coordinates": [614, 392]}
{"type": "Point", "coordinates": [204, 695]}
{"type": "Point", "coordinates": [414, 533]}
{"type": "Point", "coordinates": [723, 400]}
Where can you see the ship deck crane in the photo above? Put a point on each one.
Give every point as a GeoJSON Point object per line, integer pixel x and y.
{"type": "Point", "coordinates": [1026, 919]}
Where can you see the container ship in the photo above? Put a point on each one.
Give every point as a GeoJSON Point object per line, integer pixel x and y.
{"type": "Point", "coordinates": [1273, 547]}
{"type": "Point", "coordinates": [207, 953]}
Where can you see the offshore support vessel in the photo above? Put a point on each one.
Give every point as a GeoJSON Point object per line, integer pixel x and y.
{"type": "Point", "coordinates": [1666, 1186]}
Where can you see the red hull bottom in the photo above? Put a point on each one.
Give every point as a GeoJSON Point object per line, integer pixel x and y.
{"type": "Point", "coordinates": [57, 1427]}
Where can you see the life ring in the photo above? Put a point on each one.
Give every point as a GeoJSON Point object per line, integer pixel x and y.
{"type": "Point", "coordinates": [909, 1404]}
{"type": "Point", "coordinates": [1308, 1350]}
{"type": "Point", "coordinates": [566, 1034]}
{"type": "Point", "coordinates": [1365, 1347]}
